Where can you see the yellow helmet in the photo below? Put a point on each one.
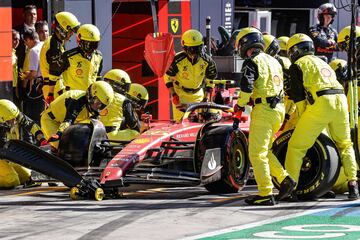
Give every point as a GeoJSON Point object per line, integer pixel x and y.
{"type": "Point", "coordinates": [8, 110]}
{"type": "Point", "coordinates": [340, 68]}
{"type": "Point", "coordinates": [247, 38]}
{"type": "Point", "coordinates": [100, 94]}
{"type": "Point", "coordinates": [299, 45]}
{"type": "Point", "coordinates": [192, 38]}
{"type": "Point", "coordinates": [139, 95]}
{"type": "Point", "coordinates": [65, 22]}
{"type": "Point", "coordinates": [344, 38]}
{"type": "Point", "coordinates": [88, 36]}
{"type": "Point", "coordinates": [119, 80]}
{"type": "Point", "coordinates": [271, 45]}
{"type": "Point", "coordinates": [282, 42]}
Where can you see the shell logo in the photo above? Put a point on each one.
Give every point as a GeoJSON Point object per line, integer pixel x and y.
{"type": "Point", "coordinates": [79, 72]}
{"type": "Point", "coordinates": [325, 72]}
{"type": "Point", "coordinates": [142, 140]}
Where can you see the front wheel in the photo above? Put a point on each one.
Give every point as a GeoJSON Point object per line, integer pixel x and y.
{"type": "Point", "coordinates": [320, 168]}
{"type": "Point", "coordinates": [232, 147]}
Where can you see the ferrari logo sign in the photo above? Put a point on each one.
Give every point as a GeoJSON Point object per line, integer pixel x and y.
{"type": "Point", "coordinates": [174, 23]}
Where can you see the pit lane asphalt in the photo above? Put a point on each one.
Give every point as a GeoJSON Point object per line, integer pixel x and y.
{"type": "Point", "coordinates": [143, 213]}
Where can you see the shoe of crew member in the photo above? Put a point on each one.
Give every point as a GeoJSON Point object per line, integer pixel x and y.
{"type": "Point", "coordinates": [353, 190]}
{"type": "Point", "coordinates": [287, 186]}
{"type": "Point", "coordinates": [261, 200]}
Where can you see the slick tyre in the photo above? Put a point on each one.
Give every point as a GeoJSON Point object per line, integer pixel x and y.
{"type": "Point", "coordinates": [320, 169]}
{"type": "Point", "coordinates": [234, 158]}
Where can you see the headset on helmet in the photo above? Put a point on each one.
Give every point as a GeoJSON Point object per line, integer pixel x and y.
{"type": "Point", "coordinates": [139, 95]}
{"type": "Point", "coordinates": [271, 45]}
{"type": "Point", "coordinates": [344, 38]}
{"type": "Point", "coordinates": [101, 94]}
{"type": "Point", "coordinates": [119, 80]}
{"type": "Point", "coordinates": [8, 112]}
{"type": "Point", "coordinates": [88, 36]}
{"type": "Point", "coordinates": [299, 45]}
{"type": "Point", "coordinates": [326, 8]}
{"type": "Point", "coordinates": [247, 38]}
{"type": "Point", "coordinates": [340, 68]}
{"type": "Point", "coordinates": [192, 42]}
{"type": "Point", "coordinates": [65, 22]}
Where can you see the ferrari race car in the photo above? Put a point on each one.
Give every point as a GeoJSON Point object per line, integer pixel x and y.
{"type": "Point", "coordinates": [205, 148]}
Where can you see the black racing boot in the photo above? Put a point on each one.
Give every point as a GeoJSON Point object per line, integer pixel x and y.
{"type": "Point", "coordinates": [329, 194]}
{"type": "Point", "coordinates": [353, 191]}
{"type": "Point", "coordinates": [286, 187]}
{"type": "Point", "coordinates": [261, 200]}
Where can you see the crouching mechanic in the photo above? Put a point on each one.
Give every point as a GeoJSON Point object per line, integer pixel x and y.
{"type": "Point", "coordinates": [11, 120]}
{"type": "Point", "coordinates": [187, 74]}
{"type": "Point", "coordinates": [321, 103]}
{"type": "Point", "coordinates": [74, 106]}
{"type": "Point", "coordinates": [262, 82]}
{"type": "Point", "coordinates": [120, 119]}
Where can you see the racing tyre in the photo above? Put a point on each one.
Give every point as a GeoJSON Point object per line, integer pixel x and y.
{"type": "Point", "coordinates": [320, 169]}
{"type": "Point", "coordinates": [233, 157]}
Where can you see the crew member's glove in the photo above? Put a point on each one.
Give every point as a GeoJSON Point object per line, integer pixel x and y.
{"type": "Point", "coordinates": [175, 99]}
{"type": "Point", "coordinates": [55, 137]}
{"type": "Point", "coordinates": [238, 112]}
{"type": "Point", "coordinates": [49, 98]}
{"type": "Point", "coordinates": [43, 142]}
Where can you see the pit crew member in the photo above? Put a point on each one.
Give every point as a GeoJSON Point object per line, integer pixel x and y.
{"type": "Point", "coordinates": [262, 81]}
{"type": "Point", "coordinates": [11, 121]}
{"type": "Point", "coordinates": [74, 106]}
{"type": "Point", "coordinates": [321, 103]}
{"type": "Point", "coordinates": [187, 74]}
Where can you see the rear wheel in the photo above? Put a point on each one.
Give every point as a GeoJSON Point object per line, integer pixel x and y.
{"type": "Point", "coordinates": [234, 158]}
{"type": "Point", "coordinates": [320, 168]}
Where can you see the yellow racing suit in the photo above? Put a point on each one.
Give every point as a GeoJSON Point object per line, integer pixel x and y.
{"type": "Point", "coordinates": [262, 80]}
{"type": "Point", "coordinates": [51, 63]}
{"type": "Point", "coordinates": [120, 119]}
{"type": "Point", "coordinates": [12, 174]}
{"type": "Point", "coordinates": [69, 108]}
{"type": "Point", "coordinates": [78, 70]}
{"type": "Point", "coordinates": [321, 103]}
{"type": "Point", "coordinates": [189, 79]}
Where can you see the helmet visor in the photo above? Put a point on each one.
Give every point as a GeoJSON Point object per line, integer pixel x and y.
{"type": "Point", "coordinates": [96, 105]}
{"type": "Point", "coordinates": [119, 87]}
{"type": "Point", "coordinates": [193, 51]}
{"type": "Point", "coordinates": [88, 46]}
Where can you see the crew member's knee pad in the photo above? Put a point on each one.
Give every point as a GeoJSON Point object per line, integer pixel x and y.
{"type": "Point", "coordinates": [8, 176]}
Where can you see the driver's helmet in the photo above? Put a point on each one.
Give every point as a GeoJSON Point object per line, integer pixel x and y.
{"type": "Point", "coordinates": [326, 8]}
{"type": "Point", "coordinates": [192, 42]}
{"type": "Point", "coordinates": [282, 43]}
{"type": "Point", "coordinates": [119, 80]}
{"type": "Point", "coordinates": [271, 45]}
{"type": "Point", "coordinates": [99, 95]}
{"type": "Point", "coordinates": [139, 95]}
{"type": "Point", "coordinates": [65, 22]}
{"type": "Point", "coordinates": [8, 112]}
{"type": "Point", "coordinates": [340, 68]}
{"type": "Point", "coordinates": [344, 38]}
{"type": "Point", "coordinates": [247, 38]}
{"type": "Point", "coordinates": [88, 37]}
{"type": "Point", "coordinates": [299, 45]}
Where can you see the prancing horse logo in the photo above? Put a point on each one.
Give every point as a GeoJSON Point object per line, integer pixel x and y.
{"type": "Point", "coordinates": [174, 24]}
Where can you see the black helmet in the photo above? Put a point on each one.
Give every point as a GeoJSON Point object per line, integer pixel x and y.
{"type": "Point", "coordinates": [326, 8]}
{"type": "Point", "coordinates": [299, 45]}
{"type": "Point", "coordinates": [247, 38]}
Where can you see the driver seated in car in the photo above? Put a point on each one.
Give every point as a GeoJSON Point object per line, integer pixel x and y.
{"type": "Point", "coordinates": [120, 119]}
{"type": "Point", "coordinates": [187, 74]}
{"type": "Point", "coordinates": [12, 121]}
{"type": "Point", "coordinates": [74, 106]}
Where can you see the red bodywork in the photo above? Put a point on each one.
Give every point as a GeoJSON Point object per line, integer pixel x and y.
{"type": "Point", "coordinates": [159, 132]}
